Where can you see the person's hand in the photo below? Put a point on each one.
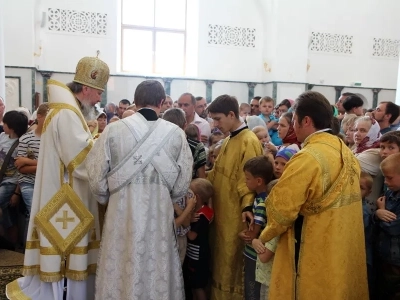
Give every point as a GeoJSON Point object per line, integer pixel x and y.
{"type": "Point", "coordinates": [380, 203]}
{"type": "Point", "coordinates": [195, 217]}
{"type": "Point", "coordinates": [20, 162]}
{"type": "Point", "coordinates": [270, 147]}
{"type": "Point", "coordinates": [204, 139]}
{"type": "Point", "coordinates": [14, 200]}
{"type": "Point", "coordinates": [191, 201]}
{"type": "Point", "coordinates": [247, 215]}
{"type": "Point", "coordinates": [385, 215]}
{"type": "Point", "coordinates": [258, 246]}
{"type": "Point", "coordinates": [340, 117]}
{"type": "Point", "coordinates": [244, 237]}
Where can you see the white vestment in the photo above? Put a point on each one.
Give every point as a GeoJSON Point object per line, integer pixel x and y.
{"type": "Point", "coordinates": [139, 167]}
{"type": "Point", "coordinates": [63, 235]}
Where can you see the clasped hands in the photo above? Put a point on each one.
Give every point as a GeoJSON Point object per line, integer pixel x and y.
{"type": "Point", "coordinates": [246, 234]}
{"type": "Point", "coordinates": [382, 213]}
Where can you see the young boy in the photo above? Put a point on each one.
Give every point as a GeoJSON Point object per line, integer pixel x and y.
{"type": "Point", "coordinates": [265, 260]}
{"type": "Point", "coordinates": [266, 114]}
{"type": "Point", "coordinates": [232, 195]}
{"type": "Point", "coordinates": [196, 265]}
{"type": "Point", "coordinates": [258, 172]}
{"type": "Point", "coordinates": [15, 125]}
{"type": "Point", "coordinates": [389, 143]}
{"type": "Point", "coordinates": [366, 182]}
{"type": "Point", "coordinates": [281, 159]}
{"type": "Point", "coordinates": [244, 110]}
{"type": "Point", "coordinates": [388, 216]}
{"type": "Point", "coordinates": [215, 137]}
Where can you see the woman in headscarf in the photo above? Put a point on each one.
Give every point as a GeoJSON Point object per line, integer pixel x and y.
{"type": "Point", "coordinates": [366, 139]}
{"type": "Point", "coordinates": [286, 132]}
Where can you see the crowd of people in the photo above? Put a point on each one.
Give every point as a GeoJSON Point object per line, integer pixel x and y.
{"type": "Point", "coordinates": [162, 199]}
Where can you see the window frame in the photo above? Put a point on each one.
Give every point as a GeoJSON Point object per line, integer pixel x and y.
{"type": "Point", "coordinates": [154, 30]}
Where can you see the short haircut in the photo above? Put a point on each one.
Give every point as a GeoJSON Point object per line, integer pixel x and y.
{"type": "Point", "coordinates": [391, 137]}
{"type": "Point", "coordinates": [266, 99]}
{"type": "Point", "coordinates": [199, 98]}
{"type": "Point", "coordinates": [203, 188]}
{"type": "Point", "coordinates": [392, 161]}
{"type": "Point", "coordinates": [191, 97]}
{"type": "Point", "coordinates": [176, 116]}
{"type": "Point", "coordinates": [125, 102]}
{"type": "Point", "coordinates": [43, 109]}
{"type": "Point", "coordinates": [192, 132]}
{"type": "Point", "coordinates": [368, 179]}
{"type": "Point", "coordinates": [244, 105]}
{"type": "Point", "coordinates": [258, 129]}
{"type": "Point", "coordinates": [315, 106]}
{"type": "Point", "coordinates": [348, 94]}
{"type": "Point", "coordinates": [271, 184]}
{"type": "Point", "coordinates": [149, 93]}
{"type": "Point", "coordinates": [352, 102]}
{"type": "Point", "coordinates": [109, 106]}
{"type": "Point", "coordinates": [16, 121]}
{"type": "Point", "coordinates": [215, 134]}
{"type": "Point", "coordinates": [258, 98]}
{"type": "Point", "coordinates": [224, 104]}
{"type": "Point", "coordinates": [392, 109]}
{"type": "Point", "coordinates": [285, 102]}
{"type": "Point", "coordinates": [75, 87]}
{"type": "Point", "coordinates": [259, 167]}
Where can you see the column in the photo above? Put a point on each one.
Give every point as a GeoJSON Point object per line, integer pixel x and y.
{"type": "Point", "coordinates": [167, 85]}
{"type": "Point", "coordinates": [309, 86]}
{"type": "Point", "coordinates": [375, 97]}
{"type": "Point", "coordinates": [275, 91]}
{"type": "Point", "coordinates": [338, 90]}
{"type": "Point", "coordinates": [251, 86]}
{"type": "Point", "coordinates": [46, 76]}
{"type": "Point", "coordinates": [2, 46]}
{"type": "Point", "coordinates": [209, 84]}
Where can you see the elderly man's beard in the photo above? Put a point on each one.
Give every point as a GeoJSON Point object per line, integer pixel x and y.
{"type": "Point", "coordinates": [88, 111]}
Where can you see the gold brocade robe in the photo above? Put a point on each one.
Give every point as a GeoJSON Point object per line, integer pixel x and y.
{"type": "Point", "coordinates": [321, 183]}
{"type": "Point", "coordinates": [231, 196]}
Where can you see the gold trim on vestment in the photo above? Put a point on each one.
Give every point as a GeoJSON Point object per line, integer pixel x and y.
{"type": "Point", "coordinates": [78, 159]}
{"type": "Point", "coordinates": [81, 275]}
{"type": "Point", "coordinates": [48, 119]}
{"type": "Point", "coordinates": [32, 245]}
{"type": "Point", "coordinates": [30, 270]}
{"type": "Point", "coordinates": [14, 291]}
{"type": "Point", "coordinates": [231, 289]}
{"type": "Point", "coordinates": [50, 276]}
{"type": "Point", "coordinates": [66, 195]}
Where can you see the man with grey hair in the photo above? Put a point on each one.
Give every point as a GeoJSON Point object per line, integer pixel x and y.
{"type": "Point", "coordinates": [110, 109]}
{"type": "Point", "coordinates": [188, 103]}
{"type": "Point", "coordinates": [140, 166]}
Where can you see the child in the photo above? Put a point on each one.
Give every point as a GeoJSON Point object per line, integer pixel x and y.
{"type": "Point", "coordinates": [266, 110]}
{"type": "Point", "coordinates": [258, 172]}
{"type": "Point", "coordinates": [388, 216]}
{"type": "Point", "coordinates": [183, 209]}
{"type": "Point", "coordinates": [265, 260]}
{"type": "Point", "coordinates": [263, 136]}
{"type": "Point", "coordinates": [244, 110]}
{"type": "Point", "coordinates": [192, 132]}
{"type": "Point", "coordinates": [27, 156]}
{"type": "Point", "coordinates": [215, 137]}
{"type": "Point", "coordinates": [196, 265]}
{"type": "Point", "coordinates": [366, 182]}
{"type": "Point", "coordinates": [389, 143]}
{"type": "Point", "coordinates": [281, 159]}
{"type": "Point", "coordinates": [15, 125]}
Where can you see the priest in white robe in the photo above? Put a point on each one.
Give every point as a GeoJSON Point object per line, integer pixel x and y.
{"type": "Point", "coordinates": [139, 166]}
{"type": "Point", "coordinates": [63, 234]}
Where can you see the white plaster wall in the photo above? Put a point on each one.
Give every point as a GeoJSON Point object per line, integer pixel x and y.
{"type": "Point", "coordinates": [268, 90]}
{"type": "Point", "coordinates": [259, 90]}
{"type": "Point", "coordinates": [328, 91]}
{"type": "Point", "coordinates": [195, 87]}
{"type": "Point", "coordinates": [387, 95]}
{"type": "Point", "coordinates": [289, 91]}
{"type": "Point", "coordinates": [239, 90]}
{"type": "Point", "coordinates": [26, 85]}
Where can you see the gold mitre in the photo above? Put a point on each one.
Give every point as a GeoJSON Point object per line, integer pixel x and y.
{"type": "Point", "coordinates": [92, 72]}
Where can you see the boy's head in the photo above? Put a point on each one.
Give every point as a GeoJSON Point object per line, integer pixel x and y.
{"type": "Point", "coordinates": [176, 116]}
{"type": "Point", "coordinates": [281, 159]}
{"type": "Point", "coordinates": [224, 110]}
{"type": "Point", "coordinates": [258, 172]}
{"type": "Point", "coordinates": [203, 190]}
{"type": "Point", "coordinates": [353, 105]}
{"type": "Point", "coordinates": [192, 132]}
{"type": "Point", "coordinates": [244, 110]}
{"type": "Point", "coordinates": [366, 182]}
{"type": "Point", "coordinates": [15, 122]}
{"type": "Point", "coordinates": [391, 171]}
{"type": "Point", "coordinates": [271, 184]}
{"type": "Point", "coordinates": [390, 143]}
{"type": "Point", "coordinates": [42, 111]}
{"type": "Point", "coordinates": [262, 134]}
{"type": "Point", "coordinates": [215, 137]}
{"type": "Point", "coordinates": [266, 105]}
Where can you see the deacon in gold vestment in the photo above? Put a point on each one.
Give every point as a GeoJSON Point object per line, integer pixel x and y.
{"type": "Point", "coordinates": [316, 209]}
{"type": "Point", "coordinates": [63, 234]}
{"type": "Point", "coordinates": [231, 196]}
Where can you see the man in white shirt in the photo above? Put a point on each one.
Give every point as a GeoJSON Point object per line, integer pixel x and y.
{"type": "Point", "coordinates": [187, 102]}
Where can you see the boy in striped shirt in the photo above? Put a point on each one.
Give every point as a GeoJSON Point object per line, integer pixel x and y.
{"type": "Point", "coordinates": [258, 172]}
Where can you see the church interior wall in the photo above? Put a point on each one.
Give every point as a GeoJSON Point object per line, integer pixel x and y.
{"type": "Point", "coordinates": [196, 87]}
{"type": "Point", "coordinates": [239, 90]}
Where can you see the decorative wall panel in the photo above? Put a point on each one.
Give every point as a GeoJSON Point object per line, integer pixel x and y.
{"type": "Point", "coordinates": [73, 21]}
{"type": "Point", "coordinates": [386, 48]}
{"type": "Point", "coordinates": [331, 43]}
{"type": "Point", "coordinates": [231, 36]}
